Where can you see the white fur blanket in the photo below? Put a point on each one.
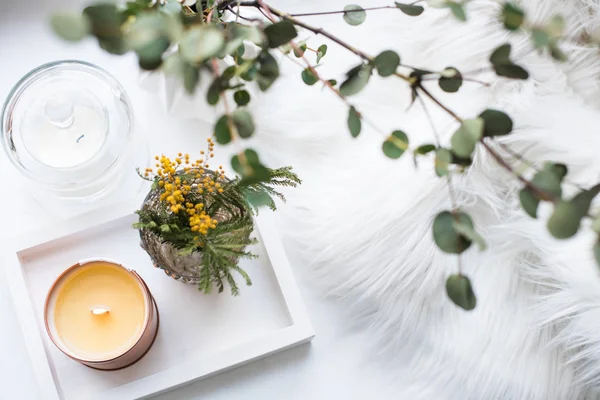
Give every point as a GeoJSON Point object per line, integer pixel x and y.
{"type": "Point", "coordinates": [364, 221]}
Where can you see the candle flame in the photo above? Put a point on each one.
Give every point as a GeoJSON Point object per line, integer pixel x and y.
{"type": "Point", "coordinates": [100, 310]}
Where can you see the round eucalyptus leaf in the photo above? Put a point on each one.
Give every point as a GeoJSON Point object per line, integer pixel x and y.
{"type": "Point", "coordinates": [228, 73]}
{"type": "Point", "coordinates": [236, 164]}
{"type": "Point", "coordinates": [395, 145]}
{"type": "Point", "coordinates": [556, 27]}
{"type": "Point", "coordinates": [299, 52]}
{"type": "Point", "coordinates": [529, 202]}
{"type": "Point", "coordinates": [466, 137]}
{"type": "Point", "coordinates": [596, 225]}
{"type": "Point", "coordinates": [214, 91]}
{"type": "Point", "coordinates": [280, 33]}
{"type": "Point", "coordinates": [556, 52]}
{"type": "Point", "coordinates": [503, 65]}
{"type": "Point", "coordinates": [149, 64]}
{"type": "Point", "coordinates": [309, 77]}
{"type": "Point", "coordinates": [321, 51]}
{"type": "Point", "coordinates": [172, 7]}
{"type": "Point", "coordinates": [445, 235]}
{"type": "Point", "coordinates": [512, 16]}
{"type": "Point", "coordinates": [462, 161]}
{"type": "Point", "coordinates": [71, 27]}
{"type": "Point", "coordinates": [540, 38]}
{"type": "Point", "coordinates": [357, 79]}
{"type": "Point", "coordinates": [248, 165]}
{"type": "Point", "coordinates": [597, 251]}
{"type": "Point", "coordinates": [268, 70]}
{"type": "Point", "coordinates": [457, 10]}
{"type": "Point", "coordinates": [387, 62]}
{"type": "Point", "coordinates": [104, 15]}
{"type": "Point", "coordinates": [241, 97]}
{"type": "Point", "coordinates": [548, 181]}
{"type": "Point", "coordinates": [565, 220]}
{"type": "Point", "coordinates": [222, 131]}
{"type": "Point", "coordinates": [496, 123]}
{"type": "Point", "coordinates": [501, 55]}
{"type": "Point", "coordinates": [511, 71]}
{"type": "Point", "coordinates": [450, 80]}
{"type": "Point", "coordinates": [173, 64]}
{"type": "Point", "coordinates": [250, 74]}
{"type": "Point", "coordinates": [259, 199]}
{"type": "Point", "coordinates": [191, 76]}
{"type": "Point", "coordinates": [410, 9]}
{"type": "Point", "coordinates": [354, 14]}
{"type": "Point", "coordinates": [424, 149]}
{"type": "Point", "coordinates": [201, 43]}
{"type": "Point", "coordinates": [354, 122]}
{"type": "Point", "coordinates": [243, 122]}
{"type": "Point", "coordinates": [146, 29]}
{"type": "Point", "coordinates": [117, 45]}
{"type": "Point", "coordinates": [105, 23]}
{"type": "Point", "coordinates": [460, 291]}
{"type": "Point", "coordinates": [464, 227]}
{"type": "Point", "coordinates": [443, 158]}
{"type": "Point", "coordinates": [560, 170]}
{"type": "Point", "coordinates": [150, 55]}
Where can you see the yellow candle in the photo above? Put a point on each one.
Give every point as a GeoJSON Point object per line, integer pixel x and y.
{"type": "Point", "coordinates": [99, 311]}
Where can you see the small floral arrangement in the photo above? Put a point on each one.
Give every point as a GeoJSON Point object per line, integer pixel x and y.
{"type": "Point", "coordinates": [196, 223]}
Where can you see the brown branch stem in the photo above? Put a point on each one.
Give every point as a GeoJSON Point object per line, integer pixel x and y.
{"type": "Point", "coordinates": [318, 31]}
{"type": "Point", "coordinates": [269, 12]}
{"type": "Point", "coordinates": [341, 11]}
{"type": "Point", "coordinates": [442, 106]}
{"type": "Point", "coordinates": [230, 124]}
{"type": "Point", "coordinates": [502, 162]}
{"type": "Point", "coordinates": [430, 119]}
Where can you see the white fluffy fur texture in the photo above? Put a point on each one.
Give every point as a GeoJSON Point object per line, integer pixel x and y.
{"type": "Point", "coordinates": [364, 221]}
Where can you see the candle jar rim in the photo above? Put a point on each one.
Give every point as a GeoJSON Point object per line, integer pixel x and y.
{"type": "Point", "coordinates": [148, 308]}
{"type": "Point", "coordinates": [38, 170]}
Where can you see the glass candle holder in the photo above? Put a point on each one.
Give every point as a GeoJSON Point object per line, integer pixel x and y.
{"type": "Point", "coordinates": [67, 126]}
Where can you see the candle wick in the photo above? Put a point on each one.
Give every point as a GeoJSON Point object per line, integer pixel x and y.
{"type": "Point", "coordinates": [79, 138]}
{"type": "Point", "coordinates": [100, 310]}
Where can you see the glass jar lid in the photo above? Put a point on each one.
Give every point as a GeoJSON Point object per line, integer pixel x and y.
{"type": "Point", "coordinates": [66, 123]}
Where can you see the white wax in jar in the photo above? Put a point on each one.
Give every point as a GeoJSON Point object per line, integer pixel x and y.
{"type": "Point", "coordinates": [64, 147]}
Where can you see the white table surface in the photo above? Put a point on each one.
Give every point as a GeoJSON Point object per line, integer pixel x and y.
{"type": "Point", "coordinates": [334, 366]}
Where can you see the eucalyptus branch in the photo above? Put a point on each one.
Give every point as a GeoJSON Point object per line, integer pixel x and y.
{"type": "Point", "coordinates": [326, 82]}
{"type": "Point", "coordinates": [203, 38]}
{"type": "Point", "coordinates": [453, 202]}
{"type": "Point", "coordinates": [341, 11]}
{"type": "Point", "coordinates": [530, 164]}
{"type": "Point", "coordinates": [223, 96]}
{"type": "Point", "coordinates": [528, 184]}
{"type": "Point", "coordinates": [306, 61]}
{"type": "Point", "coordinates": [238, 15]}
{"type": "Point", "coordinates": [442, 106]}
{"type": "Point", "coordinates": [501, 161]}
{"type": "Point", "coordinates": [456, 216]}
{"type": "Point", "coordinates": [430, 119]}
{"type": "Point", "coordinates": [313, 71]}
{"type": "Point", "coordinates": [318, 31]}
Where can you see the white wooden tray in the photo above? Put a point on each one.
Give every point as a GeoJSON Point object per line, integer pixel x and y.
{"type": "Point", "coordinates": [199, 335]}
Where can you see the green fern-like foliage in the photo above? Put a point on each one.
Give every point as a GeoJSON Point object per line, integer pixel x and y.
{"type": "Point", "coordinates": [232, 207]}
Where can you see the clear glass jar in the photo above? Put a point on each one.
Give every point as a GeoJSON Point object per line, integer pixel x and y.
{"type": "Point", "coordinates": [67, 126]}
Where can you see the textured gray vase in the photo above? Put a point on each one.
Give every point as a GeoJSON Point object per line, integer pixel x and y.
{"type": "Point", "coordinates": [184, 268]}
